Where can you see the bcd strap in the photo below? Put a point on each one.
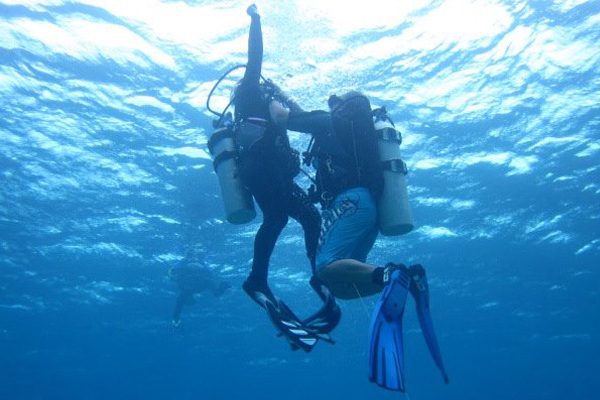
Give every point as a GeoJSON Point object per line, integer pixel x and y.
{"type": "Point", "coordinates": [225, 133]}
{"type": "Point", "coordinates": [389, 135]}
{"type": "Point", "coordinates": [224, 156]}
{"type": "Point", "coordinates": [307, 156]}
{"type": "Point", "coordinates": [396, 165]}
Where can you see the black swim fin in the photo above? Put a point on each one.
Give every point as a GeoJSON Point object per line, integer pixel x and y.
{"type": "Point", "coordinates": [282, 317]}
{"type": "Point", "coordinates": [419, 289]}
{"type": "Point", "coordinates": [290, 326]}
{"type": "Point", "coordinates": [328, 316]}
{"type": "Point", "coordinates": [386, 349]}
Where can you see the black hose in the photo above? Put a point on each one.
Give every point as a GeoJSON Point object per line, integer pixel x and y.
{"type": "Point", "coordinates": [230, 70]}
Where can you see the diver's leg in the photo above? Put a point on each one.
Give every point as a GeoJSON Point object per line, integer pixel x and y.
{"type": "Point", "coordinates": [264, 243]}
{"type": "Point", "coordinates": [350, 279]}
{"type": "Point", "coordinates": [302, 210]}
{"type": "Point", "coordinates": [348, 234]}
{"type": "Point", "coordinates": [274, 220]}
{"type": "Point", "coordinates": [182, 299]}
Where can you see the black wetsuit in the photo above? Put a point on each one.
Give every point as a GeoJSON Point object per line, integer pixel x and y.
{"type": "Point", "coordinates": [267, 169]}
{"type": "Point", "coordinates": [344, 160]}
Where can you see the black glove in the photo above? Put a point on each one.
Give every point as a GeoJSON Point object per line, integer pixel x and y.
{"type": "Point", "coordinates": [252, 10]}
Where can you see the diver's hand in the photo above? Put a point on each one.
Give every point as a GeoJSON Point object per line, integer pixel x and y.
{"type": "Point", "coordinates": [252, 10]}
{"type": "Point", "coordinates": [279, 114]}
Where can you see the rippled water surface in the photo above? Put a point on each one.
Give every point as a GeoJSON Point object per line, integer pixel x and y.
{"type": "Point", "coordinates": [106, 182]}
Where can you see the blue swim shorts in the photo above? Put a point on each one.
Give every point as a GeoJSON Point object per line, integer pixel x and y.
{"type": "Point", "coordinates": [349, 227]}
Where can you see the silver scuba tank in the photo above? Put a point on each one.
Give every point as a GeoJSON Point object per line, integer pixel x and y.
{"type": "Point", "coordinates": [237, 199]}
{"type": "Point", "coordinates": [394, 212]}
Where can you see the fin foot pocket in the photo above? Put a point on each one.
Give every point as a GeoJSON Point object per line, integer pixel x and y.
{"type": "Point", "coordinates": [259, 293]}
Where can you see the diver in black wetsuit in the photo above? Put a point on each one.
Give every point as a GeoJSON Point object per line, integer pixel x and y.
{"type": "Point", "coordinates": [267, 165]}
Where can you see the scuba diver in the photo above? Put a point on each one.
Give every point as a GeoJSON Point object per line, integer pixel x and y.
{"type": "Point", "coordinates": [267, 165]}
{"type": "Point", "coordinates": [191, 279]}
{"type": "Point", "coordinates": [349, 185]}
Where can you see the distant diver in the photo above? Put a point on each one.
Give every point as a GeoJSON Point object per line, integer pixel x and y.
{"type": "Point", "coordinates": [191, 279]}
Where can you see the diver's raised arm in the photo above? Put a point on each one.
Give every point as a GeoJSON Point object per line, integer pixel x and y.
{"type": "Point", "coordinates": [255, 46]}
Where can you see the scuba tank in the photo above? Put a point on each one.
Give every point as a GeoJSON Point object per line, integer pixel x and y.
{"type": "Point", "coordinates": [237, 199]}
{"type": "Point", "coordinates": [226, 144]}
{"type": "Point", "coordinates": [394, 212]}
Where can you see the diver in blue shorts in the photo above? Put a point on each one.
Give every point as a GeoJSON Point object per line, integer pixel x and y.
{"type": "Point", "coordinates": [349, 181]}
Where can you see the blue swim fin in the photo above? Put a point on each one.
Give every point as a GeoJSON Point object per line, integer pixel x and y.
{"type": "Point", "coordinates": [419, 289]}
{"type": "Point", "coordinates": [386, 349]}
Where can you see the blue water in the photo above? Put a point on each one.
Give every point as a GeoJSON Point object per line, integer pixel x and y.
{"type": "Point", "coordinates": [106, 183]}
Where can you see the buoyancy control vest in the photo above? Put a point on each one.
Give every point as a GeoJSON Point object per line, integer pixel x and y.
{"type": "Point", "coordinates": [348, 156]}
{"type": "Point", "coordinates": [248, 137]}
{"type": "Point", "coordinates": [364, 151]}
